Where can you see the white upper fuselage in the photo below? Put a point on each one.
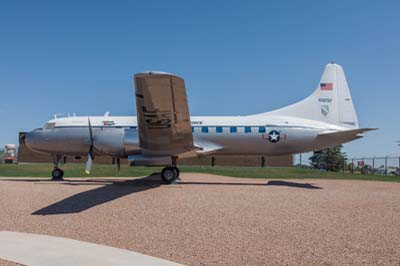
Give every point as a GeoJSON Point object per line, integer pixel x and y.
{"type": "Point", "coordinates": [198, 121]}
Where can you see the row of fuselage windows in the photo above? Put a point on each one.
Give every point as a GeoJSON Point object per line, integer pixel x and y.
{"type": "Point", "coordinates": [246, 129]}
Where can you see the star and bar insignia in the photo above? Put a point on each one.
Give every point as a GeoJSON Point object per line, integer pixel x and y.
{"type": "Point", "coordinates": [274, 136]}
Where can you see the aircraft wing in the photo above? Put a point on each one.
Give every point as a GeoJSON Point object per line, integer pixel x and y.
{"type": "Point", "coordinates": [327, 139]}
{"type": "Point", "coordinates": [163, 114]}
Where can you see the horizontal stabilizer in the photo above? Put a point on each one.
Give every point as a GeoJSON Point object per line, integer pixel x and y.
{"type": "Point", "coordinates": [206, 147]}
{"type": "Point", "coordinates": [329, 139]}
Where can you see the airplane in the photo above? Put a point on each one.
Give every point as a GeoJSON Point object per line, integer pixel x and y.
{"type": "Point", "coordinates": [163, 131]}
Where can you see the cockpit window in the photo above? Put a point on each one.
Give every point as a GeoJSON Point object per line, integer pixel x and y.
{"type": "Point", "coordinates": [49, 125]}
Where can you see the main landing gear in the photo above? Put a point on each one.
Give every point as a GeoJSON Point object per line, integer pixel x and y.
{"type": "Point", "coordinates": [169, 174]}
{"type": "Point", "coordinates": [57, 174]}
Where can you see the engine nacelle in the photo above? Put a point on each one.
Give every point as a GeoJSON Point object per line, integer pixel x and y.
{"type": "Point", "coordinates": [131, 142]}
{"type": "Point", "coordinates": [118, 142]}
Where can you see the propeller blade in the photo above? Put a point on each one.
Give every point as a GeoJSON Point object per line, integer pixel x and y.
{"type": "Point", "coordinates": [90, 132]}
{"type": "Point", "coordinates": [89, 164]}
{"type": "Point", "coordinates": [90, 159]}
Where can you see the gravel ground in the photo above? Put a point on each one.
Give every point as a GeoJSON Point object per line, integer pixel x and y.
{"type": "Point", "coordinates": [212, 220]}
{"type": "Point", "coordinates": [7, 263]}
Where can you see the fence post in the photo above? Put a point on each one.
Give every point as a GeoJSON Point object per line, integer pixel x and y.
{"type": "Point", "coordinates": [352, 166]}
{"type": "Point", "coordinates": [373, 164]}
{"type": "Point", "coordinates": [362, 165]}
{"type": "Point", "coordinates": [386, 165]}
{"type": "Point", "coordinates": [212, 161]}
{"type": "Point", "coordinates": [262, 161]}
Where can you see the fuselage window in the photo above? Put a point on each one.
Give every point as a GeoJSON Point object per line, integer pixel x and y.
{"type": "Point", "coordinates": [247, 129]}
{"type": "Point", "coordinates": [218, 129]}
{"type": "Point", "coordinates": [261, 129]}
{"type": "Point", "coordinates": [204, 130]}
{"type": "Point", "coordinates": [233, 129]}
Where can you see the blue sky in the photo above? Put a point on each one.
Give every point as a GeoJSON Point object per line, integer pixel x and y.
{"type": "Point", "coordinates": [237, 57]}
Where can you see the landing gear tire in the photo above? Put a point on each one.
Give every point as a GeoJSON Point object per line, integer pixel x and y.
{"type": "Point", "coordinates": [57, 174]}
{"type": "Point", "coordinates": [176, 171]}
{"type": "Point", "coordinates": [169, 174]}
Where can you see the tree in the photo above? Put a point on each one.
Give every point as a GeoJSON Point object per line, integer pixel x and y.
{"type": "Point", "coordinates": [331, 159]}
{"type": "Point", "coordinates": [2, 155]}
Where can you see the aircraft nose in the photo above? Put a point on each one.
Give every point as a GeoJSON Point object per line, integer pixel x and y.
{"type": "Point", "coordinates": [33, 139]}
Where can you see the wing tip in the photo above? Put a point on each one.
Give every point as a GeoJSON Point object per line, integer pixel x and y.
{"type": "Point", "coordinates": [153, 73]}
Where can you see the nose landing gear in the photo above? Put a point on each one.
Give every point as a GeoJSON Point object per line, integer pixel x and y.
{"type": "Point", "coordinates": [57, 174]}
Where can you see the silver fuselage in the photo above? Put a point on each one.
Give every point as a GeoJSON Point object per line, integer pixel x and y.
{"type": "Point", "coordinates": [323, 119]}
{"type": "Point", "coordinates": [233, 136]}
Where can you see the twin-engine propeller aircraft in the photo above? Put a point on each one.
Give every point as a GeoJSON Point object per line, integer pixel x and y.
{"type": "Point", "coordinates": [163, 131]}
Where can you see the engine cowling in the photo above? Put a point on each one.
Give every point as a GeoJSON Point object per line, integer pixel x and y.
{"type": "Point", "coordinates": [131, 142]}
{"type": "Point", "coordinates": [116, 142]}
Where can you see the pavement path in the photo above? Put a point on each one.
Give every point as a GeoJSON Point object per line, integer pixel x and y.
{"type": "Point", "coordinates": [41, 250]}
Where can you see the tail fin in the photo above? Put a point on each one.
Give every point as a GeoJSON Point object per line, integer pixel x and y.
{"type": "Point", "coordinates": [331, 102]}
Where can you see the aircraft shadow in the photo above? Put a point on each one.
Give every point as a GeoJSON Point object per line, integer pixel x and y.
{"type": "Point", "coordinates": [91, 198]}
{"type": "Point", "coordinates": [112, 190]}
{"type": "Point", "coordinates": [292, 184]}
{"type": "Point", "coordinates": [269, 183]}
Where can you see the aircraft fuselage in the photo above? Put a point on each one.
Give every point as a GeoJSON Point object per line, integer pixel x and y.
{"type": "Point", "coordinates": [118, 136]}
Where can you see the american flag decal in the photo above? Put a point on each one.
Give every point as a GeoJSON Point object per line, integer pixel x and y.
{"type": "Point", "coordinates": [326, 86]}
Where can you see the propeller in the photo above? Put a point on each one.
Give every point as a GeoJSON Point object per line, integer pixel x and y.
{"type": "Point", "coordinates": [90, 153]}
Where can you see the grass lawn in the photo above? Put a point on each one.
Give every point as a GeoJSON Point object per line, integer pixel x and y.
{"type": "Point", "coordinates": [105, 170]}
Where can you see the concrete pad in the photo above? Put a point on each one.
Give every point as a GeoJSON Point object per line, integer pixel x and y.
{"type": "Point", "coordinates": [42, 250]}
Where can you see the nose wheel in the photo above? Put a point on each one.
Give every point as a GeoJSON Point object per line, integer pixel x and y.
{"type": "Point", "coordinates": [57, 174]}
{"type": "Point", "coordinates": [169, 174]}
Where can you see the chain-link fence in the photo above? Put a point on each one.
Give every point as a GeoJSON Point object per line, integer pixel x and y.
{"type": "Point", "coordinates": [387, 165]}
{"type": "Point", "coordinates": [376, 165]}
